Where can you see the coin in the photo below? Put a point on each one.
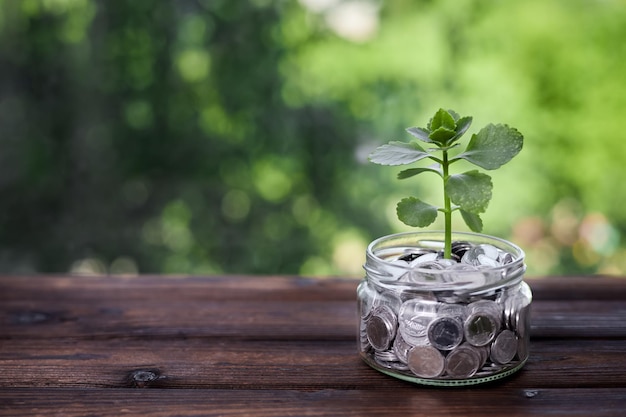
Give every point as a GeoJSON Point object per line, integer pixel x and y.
{"type": "Point", "coordinates": [388, 359]}
{"type": "Point", "coordinates": [445, 333]}
{"type": "Point", "coordinates": [459, 248]}
{"type": "Point", "coordinates": [504, 348]}
{"type": "Point", "coordinates": [426, 361]}
{"type": "Point", "coordinates": [416, 306]}
{"type": "Point", "coordinates": [381, 327]}
{"type": "Point", "coordinates": [413, 254]}
{"type": "Point", "coordinates": [364, 343]}
{"type": "Point", "coordinates": [452, 310]}
{"type": "Point", "coordinates": [463, 362]}
{"type": "Point", "coordinates": [428, 257]}
{"type": "Point", "coordinates": [414, 330]}
{"type": "Point", "coordinates": [401, 348]}
{"type": "Point", "coordinates": [488, 307]}
{"type": "Point", "coordinates": [480, 328]}
{"type": "Point", "coordinates": [522, 348]}
{"type": "Point", "coordinates": [522, 321]}
{"type": "Point", "coordinates": [385, 356]}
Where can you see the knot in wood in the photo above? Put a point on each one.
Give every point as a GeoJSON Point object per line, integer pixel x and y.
{"type": "Point", "coordinates": [30, 317]}
{"type": "Point", "coordinates": [143, 377]}
{"type": "Point", "coordinates": [530, 393]}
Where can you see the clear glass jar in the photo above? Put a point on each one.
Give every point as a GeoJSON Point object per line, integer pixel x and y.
{"type": "Point", "coordinates": [462, 325]}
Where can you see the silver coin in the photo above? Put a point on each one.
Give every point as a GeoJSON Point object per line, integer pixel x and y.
{"type": "Point", "coordinates": [388, 359]}
{"type": "Point", "coordinates": [504, 347]}
{"type": "Point", "coordinates": [445, 333]}
{"type": "Point", "coordinates": [386, 356]}
{"type": "Point", "coordinates": [394, 365]}
{"type": "Point", "coordinates": [459, 248]}
{"type": "Point", "coordinates": [414, 330]}
{"type": "Point", "coordinates": [489, 307]}
{"type": "Point", "coordinates": [483, 351]}
{"type": "Point", "coordinates": [434, 265]}
{"type": "Point", "coordinates": [452, 310]}
{"type": "Point", "coordinates": [522, 348]}
{"type": "Point", "coordinates": [410, 255]}
{"type": "Point", "coordinates": [416, 306]}
{"type": "Point", "coordinates": [364, 343]}
{"type": "Point", "coordinates": [522, 321]}
{"type": "Point", "coordinates": [422, 259]}
{"type": "Point", "coordinates": [505, 258]}
{"type": "Point", "coordinates": [381, 327]}
{"type": "Point", "coordinates": [401, 348]}
{"type": "Point", "coordinates": [483, 304]}
{"type": "Point", "coordinates": [479, 254]}
{"type": "Point", "coordinates": [480, 328]}
{"type": "Point", "coordinates": [484, 260]}
{"type": "Point", "coordinates": [386, 298]}
{"type": "Point", "coordinates": [463, 362]}
{"type": "Point", "coordinates": [426, 361]}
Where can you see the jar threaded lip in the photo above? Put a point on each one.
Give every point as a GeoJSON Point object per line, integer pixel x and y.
{"type": "Point", "coordinates": [382, 265]}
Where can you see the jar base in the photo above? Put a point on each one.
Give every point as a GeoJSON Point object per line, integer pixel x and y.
{"type": "Point", "coordinates": [475, 380]}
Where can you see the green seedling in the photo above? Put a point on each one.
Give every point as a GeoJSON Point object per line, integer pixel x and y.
{"type": "Point", "coordinates": [468, 192]}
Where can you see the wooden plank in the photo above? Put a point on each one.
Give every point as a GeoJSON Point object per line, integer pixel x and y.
{"type": "Point", "coordinates": [590, 287]}
{"type": "Point", "coordinates": [227, 363]}
{"type": "Point", "coordinates": [111, 317]}
{"type": "Point", "coordinates": [402, 401]}
{"type": "Point", "coordinates": [215, 288]}
{"type": "Point", "coordinates": [264, 287]}
{"type": "Point", "coordinates": [296, 320]}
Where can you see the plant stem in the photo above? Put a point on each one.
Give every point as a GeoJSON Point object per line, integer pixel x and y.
{"type": "Point", "coordinates": [447, 251]}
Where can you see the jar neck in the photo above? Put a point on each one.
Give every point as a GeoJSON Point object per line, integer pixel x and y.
{"type": "Point", "coordinates": [383, 268]}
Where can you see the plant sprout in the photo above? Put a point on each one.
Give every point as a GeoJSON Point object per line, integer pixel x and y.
{"type": "Point", "coordinates": [468, 192]}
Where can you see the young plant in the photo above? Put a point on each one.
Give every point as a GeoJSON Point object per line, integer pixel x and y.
{"type": "Point", "coordinates": [468, 192]}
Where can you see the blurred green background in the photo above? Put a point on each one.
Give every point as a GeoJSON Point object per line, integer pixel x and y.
{"type": "Point", "coordinates": [231, 136]}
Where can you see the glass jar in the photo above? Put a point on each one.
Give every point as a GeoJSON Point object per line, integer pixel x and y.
{"type": "Point", "coordinates": [459, 321]}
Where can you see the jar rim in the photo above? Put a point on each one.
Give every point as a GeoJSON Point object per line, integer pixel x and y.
{"type": "Point", "coordinates": [377, 267]}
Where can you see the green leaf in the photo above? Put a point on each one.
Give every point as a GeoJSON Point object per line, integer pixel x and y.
{"type": "Point", "coordinates": [442, 119]}
{"type": "Point", "coordinates": [414, 212]}
{"type": "Point", "coordinates": [442, 135]}
{"type": "Point", "coordinates": [493, 146]}
{"type": "Point", "coordinates": [473, 221]}
{"type": "Point", "coordinates": [462, 125]}
{"type": "Point", "coordinates": [454, 115]}
{"type": "Point", "coordinates": [398, 153]}
{"type": "Point", "coordinates": [471, 191]}
{"type": "Point", "coordinates": [407, 173]}
{"type": "Point", "coordinates": [420, 133]}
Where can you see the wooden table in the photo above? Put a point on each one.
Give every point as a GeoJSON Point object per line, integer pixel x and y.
{"type": "Point", "coordinates": [277, 346]}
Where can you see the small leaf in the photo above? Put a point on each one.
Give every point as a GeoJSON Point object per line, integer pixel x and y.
{"type": "Point", "coordinates": [462, 125]}
{"type": "Point", "coordinates": [493, 146]}
{"type": "Point", "coordinates": [398, 153]}
{"type": "Point", "coordinates": [407, 173]}
{"type": "Point", "coordinates": [471, 191]}
{"type": "Point", "coordinates": [473, 221]}
{"type": "Point", "coordinates": [442, 119]}
{"type": "Point", "coordinates": [442, 135]}
{"type": "Point", "coordinates": [420, 133]}
{"type": "Point", "coordinates": [454, 115]}
{"type": "Point", "coordinates": [414, 212]}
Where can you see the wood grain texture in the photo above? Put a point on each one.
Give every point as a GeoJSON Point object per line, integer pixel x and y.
{"type": "Point", "coordinates": [277, 346]}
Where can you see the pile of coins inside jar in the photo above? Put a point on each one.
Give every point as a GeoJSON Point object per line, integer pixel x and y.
{"type": "Point", "coordinates": [435, 335]}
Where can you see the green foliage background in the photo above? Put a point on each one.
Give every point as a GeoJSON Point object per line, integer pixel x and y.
{"type": "Point", "coordinates": [231, 136]}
